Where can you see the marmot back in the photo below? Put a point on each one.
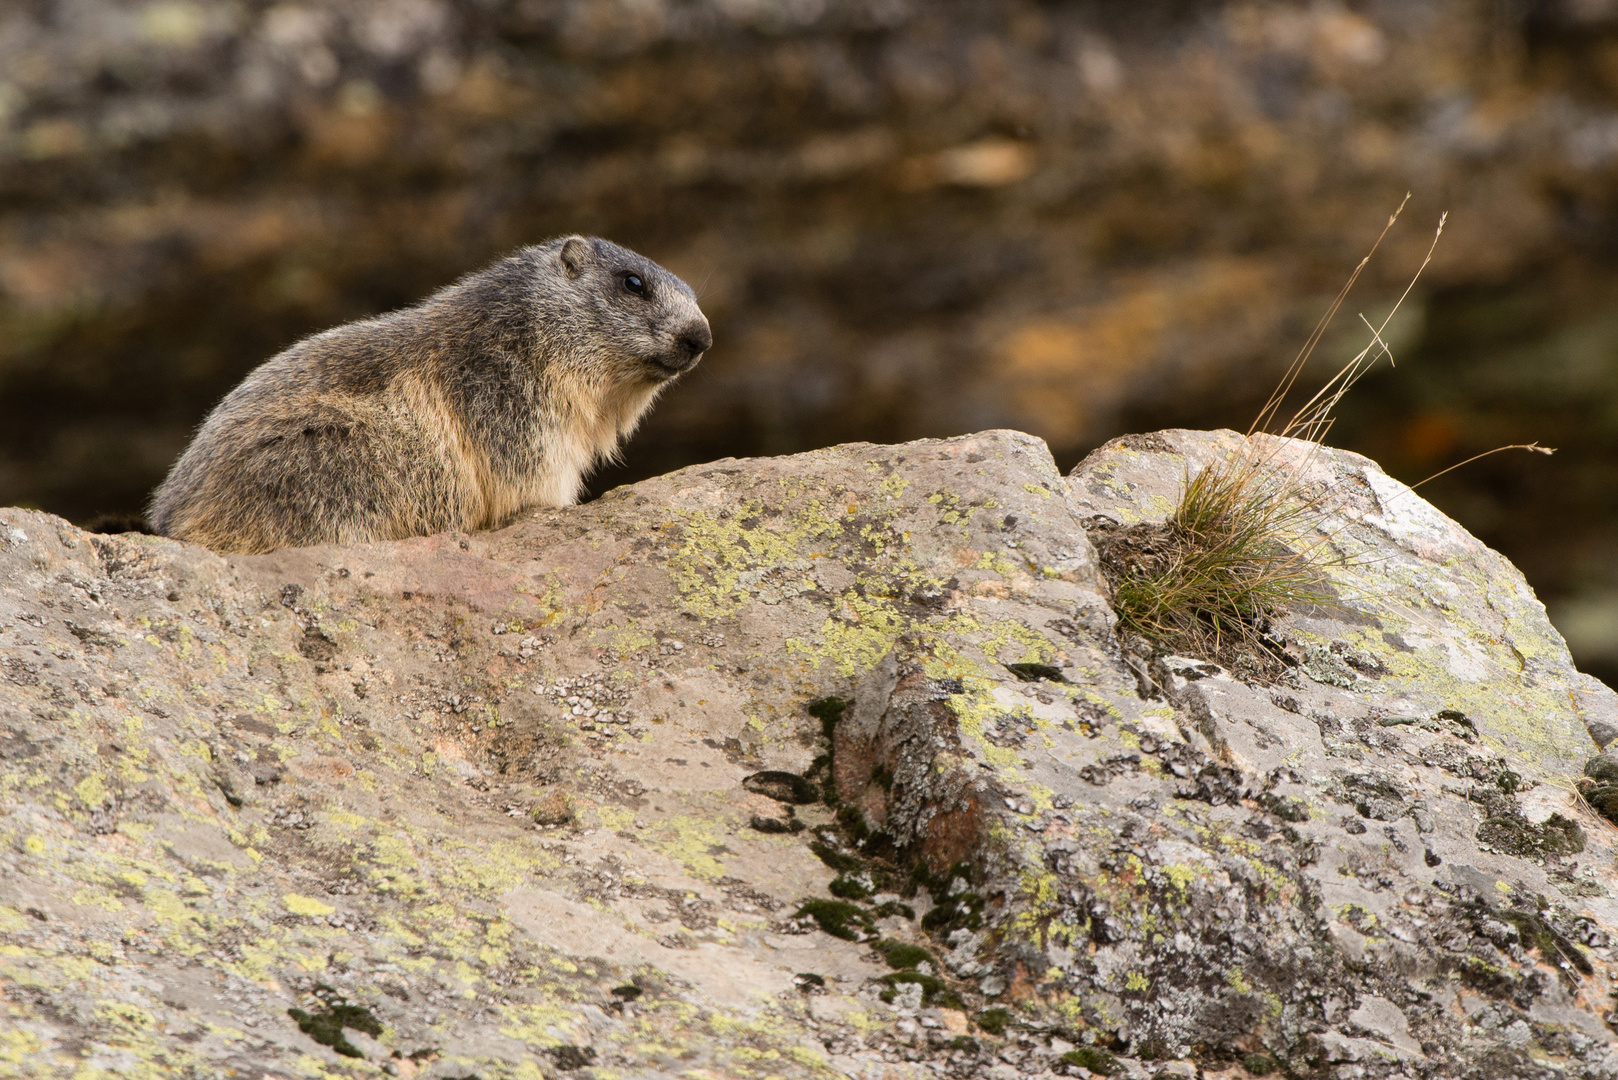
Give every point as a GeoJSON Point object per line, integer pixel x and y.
{"type": "Point", "coordinates": [499, 392]}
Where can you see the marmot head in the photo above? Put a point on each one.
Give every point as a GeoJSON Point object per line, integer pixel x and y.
{"type": "Point", "coordinates": [646, 319]}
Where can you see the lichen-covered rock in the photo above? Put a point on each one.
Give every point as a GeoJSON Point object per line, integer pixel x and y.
{"type": "Point", "coordinates": [799, 767]}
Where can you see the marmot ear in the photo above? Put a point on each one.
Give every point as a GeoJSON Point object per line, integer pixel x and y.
{"type": "Point", "coordinates": [573, 254]}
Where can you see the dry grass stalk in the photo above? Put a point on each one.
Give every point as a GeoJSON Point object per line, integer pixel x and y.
{"type": "Point", "coordinates": [1243, 542]}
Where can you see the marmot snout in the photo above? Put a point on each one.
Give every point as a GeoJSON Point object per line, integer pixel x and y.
{"type": "Point", "coordinates": [499, 392]}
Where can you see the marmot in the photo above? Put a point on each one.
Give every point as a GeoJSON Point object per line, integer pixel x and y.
{"type": "Point", "coordinates": [498, 392]}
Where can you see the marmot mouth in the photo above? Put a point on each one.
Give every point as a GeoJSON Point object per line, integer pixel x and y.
{"type": "Point", "coordinates": [684, 349]}
{"type": "Point", "coordinates": [670, 364]}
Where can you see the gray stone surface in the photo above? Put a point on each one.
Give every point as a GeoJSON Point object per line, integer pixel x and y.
{"type": "Point", "coordinates": [480, 797]}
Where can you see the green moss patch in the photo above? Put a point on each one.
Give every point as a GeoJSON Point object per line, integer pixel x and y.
{"type": "Point", "coordinates": [1599, 785]}
{"type": "Point", "coordinates": [326, 1025]}
{"type": "Point", "coordinates": [1285, 807]}
{"type": "Point", "coordinates": [853, 823]}
{"type": "Point", "coordinates": [994, 1021]}
{"type": "Point", "coordinates": [899, 954]}
{"type": "Point", "coordinates": [934, 991]}
{"type": "Point", "coordinates": [1603, 799]}
{"type": "Point", "coordinates": [839, 919]}
{"type": "Point", "coordinates": [964, 909]}
{"type": "Point", "coordinates": [569, 1057]}
{"type": "Point", "coordinates": [955, 904]}
{"type": "Point", "coordinates": [1037, 672]}
{"type": "Point", "coordinates": [1515, 835]}
{"type": "Point", "coordinates": [784, 787]}
{"type": "Point", "coordinates": [892, 908]}
{"type": "Point", "coordinates": [1097, 1061]}
{"type": "Point", "coordinates": [840, 861]}
{"type": "Point", "coordinates": [774, 826]}
{"type": "Point", "coordinates": [1539, 935]}
{"type": "Point", "coordinates": [828, 710]}
{"type": "Point", "coordinates": [1260, 1064]}
{"type": "Point", "coordinates": [850, 888]}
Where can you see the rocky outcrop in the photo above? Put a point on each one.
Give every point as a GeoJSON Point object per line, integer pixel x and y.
{"type": "Point", "coordinates": [907, 219]}
{"type": "Point", "coordinates": [810, 766]}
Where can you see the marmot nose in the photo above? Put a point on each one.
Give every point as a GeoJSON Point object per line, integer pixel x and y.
{"type": "Point", "coordinates": [697, 338]}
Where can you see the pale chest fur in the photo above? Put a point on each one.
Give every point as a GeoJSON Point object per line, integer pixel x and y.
{"type": "Point", "coordinates": [580, 427]}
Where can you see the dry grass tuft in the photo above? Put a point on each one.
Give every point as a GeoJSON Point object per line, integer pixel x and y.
{"type": "Point", "coordinates": [1208, 581]}
{"type": "Point", "coordinates": [1247, 539]}
{"type": "Point", "coordinates": [1243, 543]}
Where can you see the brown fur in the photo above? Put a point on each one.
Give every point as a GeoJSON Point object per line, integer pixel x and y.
{"type": "Point", "coordinates": [499, 392]}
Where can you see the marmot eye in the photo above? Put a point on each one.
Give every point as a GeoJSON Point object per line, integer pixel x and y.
{"type": "Point", "coordinates": [634, 284]}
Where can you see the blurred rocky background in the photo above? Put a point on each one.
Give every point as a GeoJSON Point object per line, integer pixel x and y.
{"type": "Point", "coordinates": [904, 219]}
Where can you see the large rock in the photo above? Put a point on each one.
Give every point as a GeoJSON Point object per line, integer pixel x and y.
{"type": "Point", "coordinates": [906, 218]}
{"type": "Point", "coordinates": [662, 785]}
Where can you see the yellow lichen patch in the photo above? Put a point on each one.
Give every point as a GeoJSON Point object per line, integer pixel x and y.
{"type": "Point", "coordinates": [124, 1017]}
{"type": "Point", "coordinates": [305, 905]}
{"type": "Point", "coordinates": [997, 563]}
{"type": "Point", "coordinates": [91, 791]}
{"type": "Point", "coordinates": [95, 896]}
{"type": "Point", "coordinates": [18, 1046]}
{"type": "Point", "coordinates": [391, 857]}
{"type": "Point", "coordinates": [486, 870]}
{"type": "Point", "coordinates": [538, 1024]}
{"type": "Point", "coordinates": [495, 951]}
{"type": "Point", "coordinates": [1475, 667]}
{"type": "Point", "coordinates": [694, 842]}
{"type": "Point", "coordinates": [718, 548]}
{"type": "Point", "coordinates": [894, 485]}
{"type": "Point", "coordinates": [1180, 875]}
{"type": "Point", "coordinates": [611, 817]}
{"type": "Point", "coordinates": [1085, 694]}
{"type": "Point", "coordinates": [1038, 895]}
{"type": "Point", "coordinates": [1011, 637]}
{"type": "Point", "coordinates": [1158, 507]}
{"type": "Point", "coordinates": [626, 640]}
{"type": "Point", "coordinates": [950, 511]}
{"type": "Point", "coordinates": [976, 707]}
{"type": "Point", "coordinates": [1357, 916]}
{"type": "Point", "coordinates": [859, 639]}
